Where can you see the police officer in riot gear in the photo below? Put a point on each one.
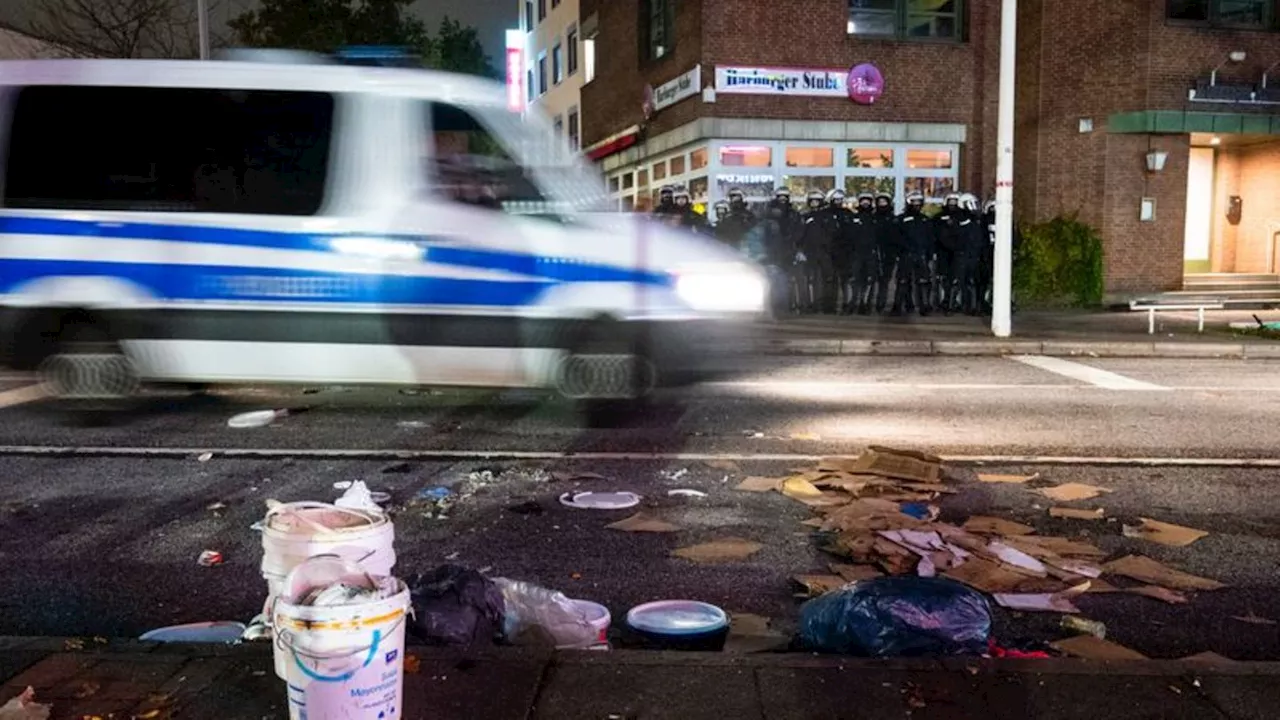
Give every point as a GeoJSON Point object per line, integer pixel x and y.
{"type": "Point", "coordinates": [888, 248]}
{"type": "Point", "coordinates": [687, 217]}
{"type": "Point", "coordinates": [863, 269]}
{"type": "Point", "coordinates": [721, 209]}
{"type": "Point", "coordinates": [666, 201]}
{"type": "Point", "coordinates": [737, 220]}
{"type": "Point", "coordinates": [986, 264]}
{"type": "Point", "coordinates": [783, 242]}
{"type": "Point", "coordinates": [972, 241]}
{"type": "Point", "coordinates": [818, 289]}
{"type": "Point", "coordinates": [918, 238]}
{"type": "Point", "coordinates": [840, 220]}
{"type": "Point", "coordinates": [945, 269]}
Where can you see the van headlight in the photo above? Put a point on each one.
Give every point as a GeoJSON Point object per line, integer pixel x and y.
{"type": "Point", "coordinates": [736, 288]}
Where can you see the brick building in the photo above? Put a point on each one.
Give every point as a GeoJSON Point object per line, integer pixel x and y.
{"type": "Point", "coordinates": [748, 93]}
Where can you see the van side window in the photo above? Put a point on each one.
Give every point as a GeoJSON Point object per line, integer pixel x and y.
{"type": "Point", "coordinates": [169, 150]}
{"type": "Point", "coordinates": [468, 164]}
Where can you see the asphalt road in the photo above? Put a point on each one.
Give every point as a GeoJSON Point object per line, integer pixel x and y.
{"type": "Point", "coordinates": [96, 544]}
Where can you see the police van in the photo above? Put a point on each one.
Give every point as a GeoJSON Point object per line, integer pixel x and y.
{"type": "Point", "coordinates": [312, 221]}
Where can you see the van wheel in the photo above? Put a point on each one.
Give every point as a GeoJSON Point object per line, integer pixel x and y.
{"type": "Point", "coordinates": [87, 364]}
{"type": "Point", "coordinates": [608, 373]}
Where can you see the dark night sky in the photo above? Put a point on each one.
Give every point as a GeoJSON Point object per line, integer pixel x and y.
{"type": "Point", "coordinates": [490, 17]}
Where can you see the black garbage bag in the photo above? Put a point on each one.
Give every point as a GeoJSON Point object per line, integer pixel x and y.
{"type": "Point", "coordinates": [453, 605]}
{"type": "Point", "coordinates": [897, 617]}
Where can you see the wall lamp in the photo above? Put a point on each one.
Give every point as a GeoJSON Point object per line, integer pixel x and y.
{"type": "Point", "coordinates": [1267, 72]}
{"type": "Point", "coordinates": [1235, 56]}
{"type": "Point", "coordinates": [1156, 160]}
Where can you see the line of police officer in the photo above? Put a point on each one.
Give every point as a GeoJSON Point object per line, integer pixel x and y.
{"type": "Point", "coordinates": [830, 259]}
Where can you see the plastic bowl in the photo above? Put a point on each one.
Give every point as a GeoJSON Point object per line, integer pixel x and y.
{"type": "Point", "coordinates": [680, 625]}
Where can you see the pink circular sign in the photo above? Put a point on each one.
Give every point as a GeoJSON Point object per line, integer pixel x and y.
{"type": "Point", "coordinates": [865, 84]}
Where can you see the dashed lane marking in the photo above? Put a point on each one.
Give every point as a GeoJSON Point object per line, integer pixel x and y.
{"type": "Point", "coordinates": [1086, 373]}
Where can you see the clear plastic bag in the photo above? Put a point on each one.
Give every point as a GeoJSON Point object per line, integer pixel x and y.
{"type": "Point", "coordinates": [898, 617]}
{"type": "Point", "coordinates": [528, 605]}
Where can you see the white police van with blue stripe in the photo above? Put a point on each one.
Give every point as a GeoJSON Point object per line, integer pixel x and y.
{"type": "Point", "coordinates": [313, 222]}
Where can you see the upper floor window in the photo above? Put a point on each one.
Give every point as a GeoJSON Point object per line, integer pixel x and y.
{"type": "Point", "coordinates": [528, 15]}
{"type": "Point", "coordinates": [555, 4]}
{"type": "Point", "coordinates": [542, 73]}
{"type": "Point", "coordinates": [657, 24]}
{"type": "Point", "coordinates": [557, 64]}
{"type": "Point", "coordinates": [575, 129]}
{"type": "Point", "coordinates": [542, 10]}
{"type": "Point", "coordinates": [1225, 13]}
{"type": "Point", "coordinates": [571, 39]}
{"type": "Point", "coordinates": [907, 19]}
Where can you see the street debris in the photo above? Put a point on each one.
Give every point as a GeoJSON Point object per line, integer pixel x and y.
{"type": "Point", "coordinates": [1088, 647]}
{"type": "Point", "coordinates": [1144, 569]}
{"type": "Point", "coordinates": [204, 457]}
{"type": "Point", "coordinates": [1084, 626]}
{"type": "Point", "coordinates": [216, 506]}
{"type": "Point", "coordinates": [1163, 533]}
{"type": "Point", "coordinates": [726, 465]}
{"type": "Point", "coordinates": [996, 526]}
{"type": "Point", "coordinates": [729, 549]}
{"type": "Point", "coordinates": [576, 476]}
{"type": "Point", "coordinates": [1070, 492]}
{"type": "Point", "coordinates": [1012, 479]}
{"type": "Point", "coordinates": [815, 585]}
{"type": "Point", "coordinates": [686, 492]}
{"type": "Point", "coordinates": [600, 500]}
{"type": "Point", "coordinates": [256, 418]}
{"type": "Point", "coordinates": [1077, 513]}
{"type": "Point", "coordinates": [1042, 602]}
{"type": "Point", "coordinates": [359, 497]}
{"type": "Point", "coordinates": [759, 484]}
{"type": "Point", "coordinates": [642, 523]}
{"type": "Point", "coordinates": [209, 558]}
{"type": "Point", "coordinates": [25, 707]}
{"type": "Point", "coordinates": [1253, 619]}
{"type": "Point", "coordinates": [456, 606]}
{"type": "Point", "coordinates": [750, 633]}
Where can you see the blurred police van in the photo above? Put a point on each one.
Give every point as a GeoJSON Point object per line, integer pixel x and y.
{"type": "Point", "coordinates": [313, 221]}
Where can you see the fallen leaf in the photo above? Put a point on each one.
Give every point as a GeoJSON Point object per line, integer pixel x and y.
{"type": "Point", "coordinates": [1163, 533]}
{"type": "Point", "coordinates": [412, 664]}
{"type": "Point", "coordinates": [1146, 570]}
{"type": "Point", "coordinates": [854, 573]}
{"type": "Point", "coordinates": [641, 522]}
{"type": "Point", "coordinates": [797, 487]}
{"type": "Point", "coordinates": [1159, 593]}
{"type": "Point", "coordinates": [726, 465]}
{"type": "Point", "coordinates": [1077, 513]}
{"type": "Point", "coordinates": [723, 550]}
{"type": "Point", "coordinates": [73, 644]}
{"type": "Point", "coordinates": [806, 436]}
{"type": "Point", "coordinates": [996, 478]}
{"type": "Point", "coordinates": [1253, 619]}
{"type": "Point", "coordinates": [817, 585]}
{"type": "Point", "coordinates": [759, 484]}
{"type": "Point", "coordinates": [1071, 492]}
{"type": "Point", "coordinates": [996, 526]}
{"type": "Point", "coordinates": [1092, 648]}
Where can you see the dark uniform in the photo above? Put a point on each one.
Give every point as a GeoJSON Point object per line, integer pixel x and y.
{"type": "Point", "coordinates": [666, 201]}
{"type": "Point", "coordinates": [732, 228]}
{"type": "Point", "coordinates": [817, 237]}
{"type": "Point", "coordinates": [841, 247]}
{"type": "Point", "coordinates": [945, 268]}
{"type": "Point", "coordinates": [972, 241]}
{"type": "Point", "coordinates": [888, 248]}
{"type": "Point", "coordinates": [862, 272]}
{"type": "Point", "coordinates": [918, 238]}
{"type": "Point", "coordinates": [686, 216]}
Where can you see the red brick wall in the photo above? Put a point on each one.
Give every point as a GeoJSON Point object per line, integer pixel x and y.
{"type": "Point", "coordinates": [1144, 256]}
{"type": "Point", "coordinates": [1179, 53]}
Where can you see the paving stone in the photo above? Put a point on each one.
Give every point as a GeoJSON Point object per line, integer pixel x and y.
{"type": "Point", "coordinates": [48, 676]}
{"type": "Point", "coordinates": [244, 690]}
{"type": "Point", "coordinates": [862, 694]}
{"type": "Point", "coordinates": [1096, 696]}
{"type": "Point", "coordinates": [1243, 697]}
{"type": "Point", "coordinates": [442, 691]}
{"type": "Point", "coordinates": [594, 691]}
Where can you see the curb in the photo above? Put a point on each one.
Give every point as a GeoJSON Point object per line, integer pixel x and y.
{"type": "Point", "coordinates": [999, 348]}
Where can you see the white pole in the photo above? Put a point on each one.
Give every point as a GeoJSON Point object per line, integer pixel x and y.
{"type": "Point", "coordinates": [1002, 275]}
{"type": "Point", "coordinates": [202, 12]}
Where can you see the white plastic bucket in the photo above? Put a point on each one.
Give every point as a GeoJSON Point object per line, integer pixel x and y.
{"type": "Point", "coordinates": [344, 662]}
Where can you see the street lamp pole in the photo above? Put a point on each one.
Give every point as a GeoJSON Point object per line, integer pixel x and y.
{"type": "Point", "coordinates": [202, 19]}
{"type": "Point", "coordinates": [1002, 275]}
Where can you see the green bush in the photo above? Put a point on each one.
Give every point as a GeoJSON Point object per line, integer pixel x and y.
{"type": "Point", "coordinates": [1059, 263]}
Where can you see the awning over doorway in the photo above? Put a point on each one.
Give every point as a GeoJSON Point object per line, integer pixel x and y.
{"type": "Point", "coordinates": [1184, 121]}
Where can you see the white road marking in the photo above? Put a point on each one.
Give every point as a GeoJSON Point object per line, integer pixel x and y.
{"type": "Point", "coordinates": [440, 455]}
{"type": "Point", "coordinates": [22, 395]}
{"type": "Point", "coordinates": [827, 386]}
{"type": "Point", "coordinates": [1085, 373]}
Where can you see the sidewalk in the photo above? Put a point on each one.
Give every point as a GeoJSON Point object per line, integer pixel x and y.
{"type": "Point", "coordinates": [1056, 333]}
{"type": "Point", "coordinates": [127, 679]}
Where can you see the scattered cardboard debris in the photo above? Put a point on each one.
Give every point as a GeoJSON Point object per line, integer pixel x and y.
{"type": "Point", "coordinates": [796, 487]}
{"type": "Point", "coordinates": [723, 550]}
{"type": "Point", "coordinates": [644, 523]}
{"type": "Point", "coordinates": [1144, 569]}
{"type": "Point", "coordinates": [1253, 619]}
{"type": "Point", "coordinates": [1012, 479]}
{"type": "Point", "coordinates": [751, 634]}
{"type": "Point", "coordinates": [1159, 593]}
{"type": "Point", "coordinates": [726, 465]}
{"type": "Point", "coordinates": [1070, 492]}
{"type": "Point", "coordinates": [901, 464]}
{"type": "Point", "coordinates": [854, 573]}
{"type": "Point", "coordinates": [1077, 513]}
{"type": "Point", "coordinates": [1042, 546]}
{"type": "Point", "coordinates": [1089, 647]}
{"type": "Point", "coordinates": [1059, 602]}
{"type": "Point", "coordinates": [760, 484]}
{"type": "Point", "coordinates": [996, 526]}
{"type": "Point", "coordinates": [816, 585]}
{"type": "Point", "coordinates": [1163, 533]}
{"type": "Point", "coordinates": [986, 576]}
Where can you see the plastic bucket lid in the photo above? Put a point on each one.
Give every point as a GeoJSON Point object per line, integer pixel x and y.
{"type": "Point", "coordinates": [677, 618]}
{"type": "Point", "coordinates": [205, 632]}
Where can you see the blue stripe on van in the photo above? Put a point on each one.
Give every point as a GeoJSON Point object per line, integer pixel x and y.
{"type": "Point", "coordinates": [214, 282]}
{"type": "Point", "coordinates": [550, 268]}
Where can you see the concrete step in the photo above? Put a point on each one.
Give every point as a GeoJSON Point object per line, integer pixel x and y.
{"type": "Point", "coordinates": [1194, 278]}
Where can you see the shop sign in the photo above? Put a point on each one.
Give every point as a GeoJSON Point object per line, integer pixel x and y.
{"type": "Point", "coordinates": [807, 82]}
{"type": "Point", "coordinates": [865, 84]}
{"type": "Point", "coordinates": [515, 79]}
{"type": "Point", "coordinates": [673, 91]}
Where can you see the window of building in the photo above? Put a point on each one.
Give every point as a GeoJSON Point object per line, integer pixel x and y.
{"type": "Point", "coordinates": [746, 156]}
{"type": "Point", "coordinates": [933, 188]}
{"type": "Point", "coordinates": [697, 160]}
{"type": "Point", "coordinates": [657, 26]}
{"type": "Point", "coordinates": [588, 60]}
{"type": "Point", "coordinates": [571, 40]}
{"type": "Point", "coordinates": [810, 157]}
{"type": "Point", "coordinates": [642, 179]}
{"type": "Point", "coordinates": [542, 73]}
{"type": "Point", "coordinates": [542, 10]}
{"type": "Point", "coordinates": [756, 187]}
{"type": "Point", "coordinates": [528, 15]}
{"type": "Point", "coordinates": [928, 159]}
{"type": "Point", "coordinates": [557, 64]}
{"type": "Point", "coordinates": [801, 185]}
{"type": "Point", "coordinates": [1225, 13]}
{"type": "Point", "coordinates": [698, 190]}
{"type": "Point", "coordinates": [169, 150]}
{"type": "Point", "coordinates": [677, 164]}
{"type": "Point", "coordinates": [869, 157]}
{"type": "Point", "coordinates": [555, 4]}
{"type": "Point", "coordinates": [927, 19]}
{"type": "Point", "coordinates": [628, 181]}
{"type": "Point", "coordinates": [575, 129]}
{"type": "Point", "coordinates": [855, 184]}
{"type": "Point", "coordinates": [530, 85]}
{"type": "Point", "coordinates": [660, 170]}
{"type": "Point", "coordinates": [613, 184]}
{"type": "Point", "coordinates": [558, 125]}
{"type": "Point", "coordinates": [470, 165]}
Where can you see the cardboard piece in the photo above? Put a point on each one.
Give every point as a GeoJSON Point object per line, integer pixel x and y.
{"type": "Point", "coordinates": [1092, 648]}
{"type": "Point", "coordinates": [996, 526]}
{"type": "Point", "coordinates": [814, 437]}
{"type": "Point", "coordinates": [796, 487]}
{"type": "Point", "coordinates": [1077, 513]}
{"type": "Point", "coordinates": [816, 585]}
{"type": "Point", "coordinates": [726, 465]}
{"type": "Point", "coordinates": [641, 522]}
{"type": "Point", "coordinates": [1253, 619]}
{"type": "Point", "coordinates": [901, 464]}
{"type": "Point", "coordinates": [1163, 533]}
{"type": "Point", "coordinates": [1071, 492]}
{"type": "Point", "coordinates": [729, 549]}
{"type": "Point", "coordinates": [986, 576]}
{"type": "Point", "coordinates": [854, 573]}
{"type": "Point", "coordinates": [1059, 602]}
{"type": "Point", "coordinates": [826, 500]}
{"type": "Point", "coordinates": [1045, 546]}
{"type": "Point", "coordinates": [751, 634]}
{"type": "Point", "coordinates": [1163, 594]}
{"type": "Point", "coordinates": [759, 484]}
{"type": "Point", "coordinates": [1011, 479]}
{"type": "Point", "coordinates": [1144, 569]}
